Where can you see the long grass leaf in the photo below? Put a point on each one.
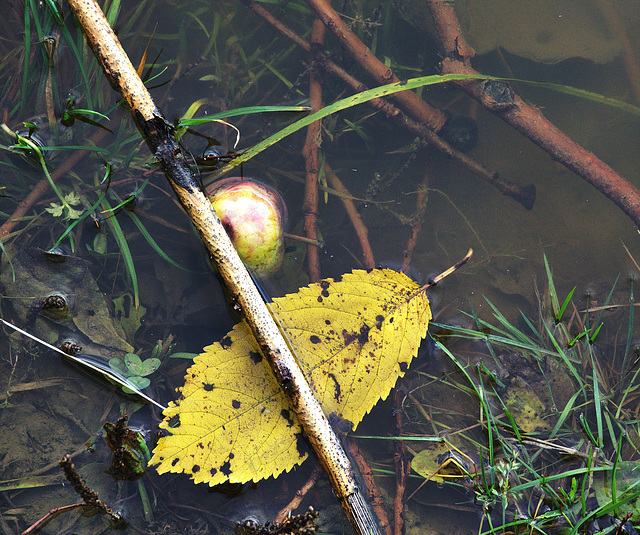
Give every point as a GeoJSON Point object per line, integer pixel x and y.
{"type": "Point", "coordinates": [239, 111]}
{"type": "Point", "coordinates": [597, 405]}
{"type": "Point", "coordinates": [343, 104]}
{"type": "Point", "coordinates": [121, 240]}
{"type": "Point", "coordinates": [627, 348]}
{"type": "Point", "coordinates": [565, 304]}
{"type": "Point", "coordinates": [147, 236]}
{"type": "Point", "coordinates": [564, 414]}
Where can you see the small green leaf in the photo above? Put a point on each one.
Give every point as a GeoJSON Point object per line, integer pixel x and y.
{"type": "Point", "coordinates": [100, 244]}
{"type": "Point", "coordinates": [156, 349]}
{"type": "Point", "coordinates": [138, 382]}
{"type": "Point", "coordinates": [149, 366]}
{"type": "Point", "coordinates": [54, 209]}
{"type": "Point", "coordinates": [183, 355]}
{"type": "Point", "coordinates": [118, 365]}
{"type": "Point", "coordinates": [134, 363]}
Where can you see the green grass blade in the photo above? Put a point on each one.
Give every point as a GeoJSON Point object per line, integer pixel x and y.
{"type": "Point", "coordinates": [627, 349]}
{"type": "Point", "coordinates": [597, 404]}
{"type": "Point", "coordinates": [143, 230]}
{"type": "Point", "coordinates": [587, 430]}
{"type": "Point", "coordinates": [239, 111]}
{"type": "Point", "coordinates": [552, 288]}
{"type": "Point", "coordinates": [343, 104]}
{"type": "Point", "coordinates": [5, 253]}
{"type": "Point", "coordinates": [606, 303]}
{"type": "Point", "coordinates": [121, 240]}
{"type": "Point", "coordinates": [583, 94]}
{"type": "Point", "coordinates": [86, 214]}
{"type": "Point", "coordinates": [564, 414]}
{"type": "Point", "coordinates": [480, 393]}
{"type": "Point", "coordinates": [564, 306]}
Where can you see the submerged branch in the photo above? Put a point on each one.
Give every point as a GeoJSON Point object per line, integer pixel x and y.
{"type": "Point", "coordinates": [498, 97]}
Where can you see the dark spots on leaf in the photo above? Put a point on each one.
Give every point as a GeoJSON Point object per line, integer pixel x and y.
{"type": "Point", "coordinates": [379, 318]}
{"type": "Point", "coordinates": [208, 387]}
{"type": "Point", "coordinates": [327, 322]}
{"type": "Point", "coordinates": [403, 366]}
{"type": "Point", "coordinates": [235, 404]}
{"type": "Point", "coordinates": [175, 461]}
{"type": "Point", "coordinates": [255, 356]}
{"type": "Point", "coordinates": [174, 421]}
{"type": "Point", "coordinates": [231, 456]}
{"type": "Point", "coordinates": [201, 445]}
{"type": "Point", "coordinates": [226, 342]}
{"type": "Point", "coordinates": [319, 299]}
{"type": "Point", "coordinates": [301, 445]}
{"type": "Point", "coordinates": [226, 469]}
{"type": "Point", "coordinates": [391, 319]}
{"type": "Point", "coordinates": [363, 337]}
{"type": "Point", "coordinates": [213, 471]}
{"type": "Point", "coordinates": [325, 293]}
{"type": "Point", "coordinates": [337, 279]}
{"type": "Point", "coordinates": [314, 339]}
{"type": "Point", "coordinates": [348, 337]}
{"type": "Point", "coordinates": [287, 416]}
{"type": "Point", "coordinates": [195, 469]}
{"type": "Point", "coordinates": [337, 385]}
{"type": "Point", "coordinates": [325, 284]}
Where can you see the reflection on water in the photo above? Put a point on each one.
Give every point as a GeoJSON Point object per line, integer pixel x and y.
{"type": "Point", "coordinates": [223, 56]}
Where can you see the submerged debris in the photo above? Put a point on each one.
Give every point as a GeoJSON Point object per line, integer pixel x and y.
{"type": "Point", "coordinates": [294, 525]}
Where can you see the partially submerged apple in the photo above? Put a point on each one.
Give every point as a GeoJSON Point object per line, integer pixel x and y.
{"type": "Point", "coordinates": [254, 216]}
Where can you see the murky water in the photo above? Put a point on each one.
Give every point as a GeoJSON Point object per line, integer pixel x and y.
{"type": "Point", "coordinates": [225, 56]}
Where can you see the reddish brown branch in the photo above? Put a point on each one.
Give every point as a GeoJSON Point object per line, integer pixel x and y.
{"type": "Point", "coordinates": [310, 153]}
{"type": "Point", "coordinates": [421, 208]}
{"type": "Point", "coordinates": [402, 466]}
{"type": "Point", "coordinates": [374, 496]}
{"type": "Point", "coordinates": [408, 100]}
{"type": "Point", "coordinates": [354, 215]}
{"type": "Point", "coordinates": [499, 98]}
{"type": "Point", "coordinates": [523, 195]}
{"type": "Point", "coordinates": [300, 494]}
{"type": "Point", "coordinates": [37, 526]}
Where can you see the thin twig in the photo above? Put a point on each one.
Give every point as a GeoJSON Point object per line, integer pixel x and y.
{"type": "Point", "coordinates": [408, 100]}
{"type": "Point", "coordinates": [354, 215]}
{"type": "Point", "coordinates": [421, 208]}
{"type": "Point", "coordinates": [300, 494]}
{"type": "Point", "coordinates": [312, 164]}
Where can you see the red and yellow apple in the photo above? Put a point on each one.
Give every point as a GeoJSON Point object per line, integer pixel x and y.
{"type": "Point", "coordinates": [254, 216]}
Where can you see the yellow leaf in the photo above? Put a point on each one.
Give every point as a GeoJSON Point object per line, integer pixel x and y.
{"type": "Point", "coordinates": [354, 336]}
